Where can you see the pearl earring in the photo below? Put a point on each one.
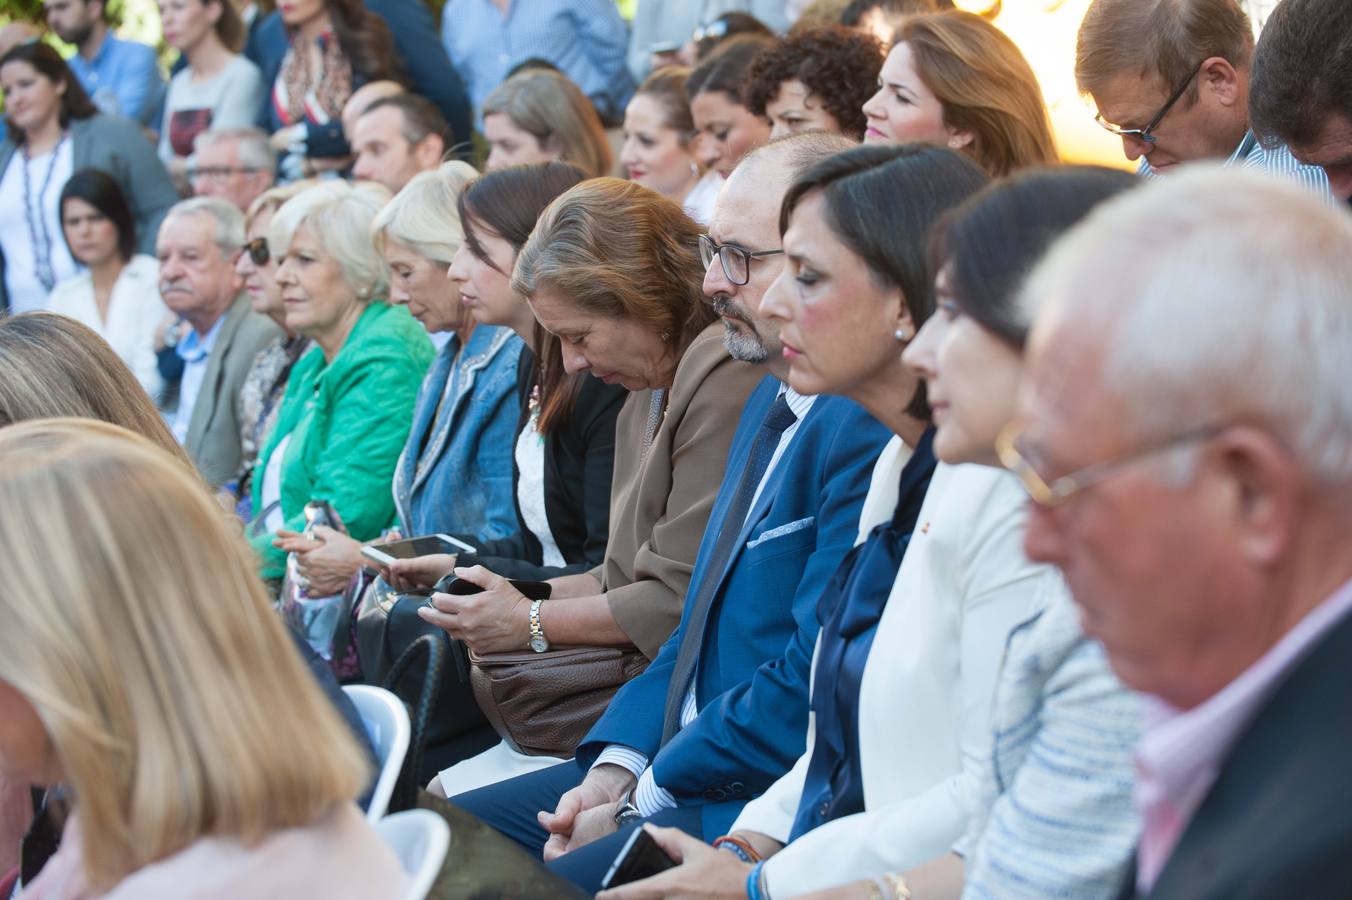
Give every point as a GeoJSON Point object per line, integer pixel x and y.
{"type": "Point", "coordinates": [954, 144]}
{"type": "Point", "coordinates": [901, 336]}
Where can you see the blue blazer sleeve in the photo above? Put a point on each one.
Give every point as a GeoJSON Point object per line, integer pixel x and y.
{"type": "Point", "coordinates": [748, 736]}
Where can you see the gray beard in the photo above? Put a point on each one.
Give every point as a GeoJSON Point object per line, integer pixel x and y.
{"type": "Point", "coordinates": [743, 346]}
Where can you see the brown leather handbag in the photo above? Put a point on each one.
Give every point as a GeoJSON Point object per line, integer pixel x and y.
{"type": "Point", "coordinates": [543, 704]}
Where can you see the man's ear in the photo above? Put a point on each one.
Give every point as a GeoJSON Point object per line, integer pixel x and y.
{"type": "Point", "coordinates": [1217, 76]}
{"type": "Point", "coordinates": [429, 151]}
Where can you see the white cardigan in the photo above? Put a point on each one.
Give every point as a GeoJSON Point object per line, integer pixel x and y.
{"type": "Point", "coordinates": [134, 310]}
{"type": "Point", "coordinates": [925, 699]}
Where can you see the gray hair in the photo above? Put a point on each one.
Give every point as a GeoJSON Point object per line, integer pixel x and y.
{"type": "Point", "coordinates": [226, 218]}
{"type": "Point", "coordinates": [1219, 296]}
{"type": "Point", "coordinates": [423, 216]}
{"type": "Point", "coordinates": [340, 214]}
{"type": "Point", "coordinates": [797, 152]}
{"type": "Point", "coordinates": [251, 145]}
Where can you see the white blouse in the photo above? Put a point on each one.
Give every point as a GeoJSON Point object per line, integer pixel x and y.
{"type": "Point", "coordinates": [29, 230]}
{"type": "Point", "coordinates": [530, 487]}
{"type": "Point", "coordinates": [134, 310]}
{"type": "Point", "coordinates": [699, 203]}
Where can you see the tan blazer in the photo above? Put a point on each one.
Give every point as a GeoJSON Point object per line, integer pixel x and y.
{"type": "Point", "coordinates": [660, 500]}
{"type": "Point", "coordinates": [213, 440]}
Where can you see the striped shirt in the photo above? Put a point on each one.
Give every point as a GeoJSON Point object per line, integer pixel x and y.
{"type": "Point", "coordinates": [1251, 154]}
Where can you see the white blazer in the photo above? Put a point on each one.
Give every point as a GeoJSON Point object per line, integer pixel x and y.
{"type": "Point", "coordinates": [925, 699]}
{"type": "Point", "coordinates": [134, 310]}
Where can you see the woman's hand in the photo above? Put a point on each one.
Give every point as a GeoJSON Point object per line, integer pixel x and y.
{"type": "Point", "coordinates": [327, 563]}
{"type": "Point", "coordinates": [703, 871]}
{"type": "Point", "coordinates": [420, 571]}
{"type": "Point", "coordinates": [494, 621]}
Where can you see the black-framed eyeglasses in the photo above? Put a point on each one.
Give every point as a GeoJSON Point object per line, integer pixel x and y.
{"type": "Point", "coordinates": [735, 261]}
{"type": "Point", "coordinates": [258, 251]}
{"type": "Point", "coordinates": [1146, 134]}
{"type": "Point", "coordinates": [219, 173]}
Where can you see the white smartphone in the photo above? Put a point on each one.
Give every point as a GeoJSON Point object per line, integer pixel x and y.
{"type": "Point", "coordinates": [384, 554]}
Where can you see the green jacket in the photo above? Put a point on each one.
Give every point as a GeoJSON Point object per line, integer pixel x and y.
{"type": "Point", "coordinates": [348, 421]}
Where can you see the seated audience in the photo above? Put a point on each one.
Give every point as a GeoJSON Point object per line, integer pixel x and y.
{"type": "Point", "coordinates": [539, 115]}
{"type": "Point", "coordinates": [363, 97]}
{"type": "Point", "coordinates": [247, 813]}
{"type": "Point", "coordinates": [218, 88]}
{"type": "Point", "coordinates": [612, 269]}
{"type": "Point", "coordinates": [328, 49]}
{"type": "Point", "coordinates": [710, 35]}
{"type": "Point", "coordinates": [661, 28]}
{"type": "Point", "coordinates": [1059, 773]}
{"type": "Point", "coordinates": [1206, 538]}
{"type": "Point", "coordinates": [816, 79]}
{"type": "Point", "coordinates": [1301, 92]}
{"type": "Point", "coordinates": [397, 137]}
{"type": "Point", "coordinates": [722, 711]}
{"type": "Point", "coordinates": [197, 251]}
{"type": "Point", "coordinates": [54, 129]}
{"type": "Point", "coordinates": [953, 79]}
{"type": "Point", "coordinates": [260, 394]}
{"type": "Point", "coordinates": [118, 293]}
{"type": "Point", "coordinates": [455, 472]}
{"type": "Point", "coordinates": [583, 39]}
{"type": "Point", "coordinates": [882, 18]}
{"type": "Point", "coordinates": [121, 77]}
{"type": "Point", "coordinates": [564, 446]}
{"type": "Point", "coordinates": [349, 400]}
{"type": "Point", "coordinates": [924, 616]}
{"type": "Point", "coordinates": [727, 129]}
{"type": "Point", "coordinates": [235, 164]}
{"type": "Point", "coordinates": [1171, 79]}
{"type": "Point", "coordinates": [659, 144]}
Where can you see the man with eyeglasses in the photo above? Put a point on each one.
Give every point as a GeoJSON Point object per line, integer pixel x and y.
{"type": "Point", "coordinates": [1186, 437]}
{"type": "Point", "coordinates": [721, 712]}
{"type": "Point", "coordinates": [234, 164]}
{"type": "Point", "coordinates": [1171, 79]}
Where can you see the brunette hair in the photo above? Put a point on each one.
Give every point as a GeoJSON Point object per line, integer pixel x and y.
{"type": "Point", "coordinates": [725, 28]}
{"type": "Point", "coordinates": [725, 70]}
{"type": "Point", "coordinates": [508, 202]}
{"type": "Point", "coordinates": [992, 241]}
{"type": "Point", "coordinates": [880, 201]}
{"type": "Point", "coordinates": [838, 65]}
{"type": "Point", "coordinates": [229, 26]}
{"type": "Point", "coordinates": [857, 9]}
{"type": "Point", "coordinates": [75, 103]}
{"type": "Point", "coordinates": [617, 249]}
{"type": "Point", "coordinates": [1302, 71]}
{"type": "Point", "coordinates": [52, 366]}
{"type": "Point", "coordinates": [1164, 39]}
{"type": "Point", "coordinates": [365, 39]}
{"type": "Point", "coordinates": [97, 188]}
{"type": "Point", "coordinates": [549, 107]}
{"type": "Point", "coordinates": [667, 86]}
{"type": "Point", "coordinates": [986, 87]}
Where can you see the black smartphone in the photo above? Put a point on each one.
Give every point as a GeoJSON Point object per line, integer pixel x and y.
{"type": "Point", "coordinates": [532, 590]}
{"type": "Point", "coordinates": [639, 858]}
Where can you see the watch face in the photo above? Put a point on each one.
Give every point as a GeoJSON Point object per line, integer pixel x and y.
{"type": "Point", "coordinates": [539, 644]}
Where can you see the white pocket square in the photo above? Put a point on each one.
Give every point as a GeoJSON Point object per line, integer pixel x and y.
{"type": "Point", "coordinates": [779, 532]}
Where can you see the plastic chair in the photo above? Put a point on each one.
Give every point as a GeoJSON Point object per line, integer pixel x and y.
{"type": "Point", "coordinates": [420, 838]}
{"type": "Point", "coordinates": [386, 722]}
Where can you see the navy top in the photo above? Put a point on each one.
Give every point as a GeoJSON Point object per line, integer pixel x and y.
{"type": "Point", "coordinates": [850, 608]}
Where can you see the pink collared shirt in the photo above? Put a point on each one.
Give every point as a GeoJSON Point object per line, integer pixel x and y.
{"type": "Point", "coordinates": [1181, 751]}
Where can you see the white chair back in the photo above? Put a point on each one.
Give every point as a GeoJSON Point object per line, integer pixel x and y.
{"type": "Point", "coordinates": [420, 838]}
{"type": "Point", "coordinates": [387, 724]}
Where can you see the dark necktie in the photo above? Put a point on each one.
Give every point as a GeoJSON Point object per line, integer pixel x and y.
{"type": "Point", "coordinates": [779, 418]}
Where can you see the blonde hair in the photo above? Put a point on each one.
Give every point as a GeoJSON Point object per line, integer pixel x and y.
{"type": "Point", "coordinates": [985, 86]}
{"type": "Point", "coordinates": [340, 215]}
{"type": "Point", "coordinates": [553, 110]}
{"type": "Point", "coordinates": [137, 628]}
{"type": "Point", "coordinates": [272, 199]}
{"type": "Point", "coordinates": [53, 366]}
{"type": "Point", "coordinates": [424, 216]}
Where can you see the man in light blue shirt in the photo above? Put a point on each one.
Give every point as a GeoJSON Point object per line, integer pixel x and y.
{"type": "Point", "coordinates": [584, 39]}
{"type": "Point", "coordinates": [121, 77]}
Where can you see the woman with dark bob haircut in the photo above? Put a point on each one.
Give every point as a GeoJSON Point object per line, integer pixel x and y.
{"type": "Point", "coordinates": [727, 128]}
{"type": "Point", "coordinates": [118, 293]}
{"type": "Point", "coordinates": [815, 79]}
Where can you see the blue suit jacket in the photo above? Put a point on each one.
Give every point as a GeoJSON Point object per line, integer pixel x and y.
{"type": "Point", "coordinates": [751, 683]}
{"type": "Point", "coordinates": [419, 55]}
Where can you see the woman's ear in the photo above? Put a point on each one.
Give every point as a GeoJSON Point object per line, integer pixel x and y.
{"type": "Point", "coordinates": [958, 138]}
{"type": "Point", "coordinates": [905, 327]}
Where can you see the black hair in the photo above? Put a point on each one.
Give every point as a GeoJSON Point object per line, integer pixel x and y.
{"type": "Point", "coordinates": [726, 68]}
{"type": "Point", "coordinates": [880, 202]}
{"type": "Point", "coordinates": [97, 188]}
{"type": "Point", "coordinates": [1302, 71]}
{"type": "Point", "coordinates": [991, 242]}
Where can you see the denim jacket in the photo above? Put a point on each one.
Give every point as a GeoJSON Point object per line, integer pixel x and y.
{"type": "Point", "coordinates": [455, 473]}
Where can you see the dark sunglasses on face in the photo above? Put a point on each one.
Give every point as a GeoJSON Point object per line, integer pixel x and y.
{"type": "Point", "coordinates": [258, 251]}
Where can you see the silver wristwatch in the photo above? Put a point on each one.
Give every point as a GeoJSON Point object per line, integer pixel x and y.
{"type": "Point", "coordinates": [538, 642]}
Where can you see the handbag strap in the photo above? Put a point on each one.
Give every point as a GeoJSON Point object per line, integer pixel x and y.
{"type": "Point", "coordinates": [406, 788]}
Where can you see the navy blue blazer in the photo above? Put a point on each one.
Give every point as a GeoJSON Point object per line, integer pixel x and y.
{"type": "Point", "coordinates": [420, 56]}
{"type": "Point", "coordinates": [751, 682]}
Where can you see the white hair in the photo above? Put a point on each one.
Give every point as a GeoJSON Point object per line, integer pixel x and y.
{"type": "Point", "coordinates": [1219, 296]}
{"type": "Point", "coordinates": [423, 216]}
{"type": "Point", "coordinates": [227, 221]}
{"type": "Point", "coordinates": [252, 147]}
{"type": "Point", "coordinates": [340, 215]}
